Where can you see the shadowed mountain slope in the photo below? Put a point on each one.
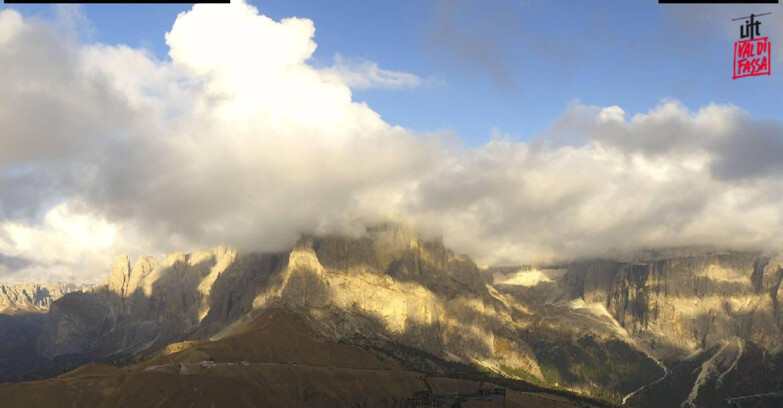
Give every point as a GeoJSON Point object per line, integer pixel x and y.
{"type": "Point", "coordinates": [278, 360]}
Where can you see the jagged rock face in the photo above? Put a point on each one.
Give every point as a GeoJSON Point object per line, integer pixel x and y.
{"type": "Point", "coordinates": [390, 249]}
{"type": "Point", "coordinates": [387, 285]}
{"type": "Point", "coordinates": [690, 325]}
{"type": "Point", "coordinates": [32, 297]}
{"type": "Point", "coordinates": [602, 327]}
{"type": "Point", "coordinates": [685, 303]}
{"type": "Point", "coordinates": [153, 303]}
{"type": "Point", "coordinates": [392, 284]}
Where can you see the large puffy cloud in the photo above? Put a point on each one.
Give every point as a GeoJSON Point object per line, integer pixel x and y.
{"type": "Point", "coordinates": [236, 140]}
{"type": "Point", "coordinates": [267, 146]}
{"type": "Point", "coordinates": [599, 184]}
{"type": "Point", "coordinates": [50, 113]}
{"type": "Point", "coordinates": [68, 244]}
{"type": "Point", "coordinates": [45, 98]}
{"type": "Point", "coordinates": [737, 145]}
{"type": "Point", "coordinates": [240, 140]}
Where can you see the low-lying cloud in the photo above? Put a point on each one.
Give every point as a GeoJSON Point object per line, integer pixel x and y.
{"type": "Point", "coordinates": [240, 140]}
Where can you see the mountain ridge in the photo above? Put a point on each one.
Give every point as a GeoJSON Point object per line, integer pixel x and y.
{"type": "Point", "coordinates": [615, 330]}
{"type": "Point", "coordinates": [33, 297]}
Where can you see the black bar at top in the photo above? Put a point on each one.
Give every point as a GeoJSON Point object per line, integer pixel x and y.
{"type": "Point", "coordinates": [115, 1]}
{"type": "Point", "coordinates": [717, 1]}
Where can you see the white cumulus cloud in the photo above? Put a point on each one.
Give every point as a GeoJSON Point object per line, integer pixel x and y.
{"type": "Point", "coordinates": [240, 139]}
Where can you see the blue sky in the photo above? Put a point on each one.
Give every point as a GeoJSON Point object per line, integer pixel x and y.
{"type": "Point", "coordinates": [255, 135]}
{"type": "Point", "coordinates": [511, 66]}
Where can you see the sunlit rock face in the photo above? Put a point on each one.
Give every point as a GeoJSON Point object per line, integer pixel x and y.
{"type": "Point", "coordinates": [605, 328]}
{"type": "Point", "coordinates": [387, 285]}
{"type": "Point", "coordinates": [153, 303]}
{"type": "Point", "coordinates": [685, 303]}
{"type": "Point", "coordinates": [392, 284]}
{"type": "Point", "coordinates": [32, 297]}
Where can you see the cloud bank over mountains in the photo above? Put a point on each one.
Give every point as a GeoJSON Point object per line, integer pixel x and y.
{"type": "Point", "coordinates": [238, 139]}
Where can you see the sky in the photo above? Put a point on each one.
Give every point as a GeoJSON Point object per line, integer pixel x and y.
{"type": "Point", "coordinates": [507, 66]}
{"type": "Point", "coordinates": [521, 131]}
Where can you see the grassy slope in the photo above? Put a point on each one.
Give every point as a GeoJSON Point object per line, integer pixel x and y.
{"type": "Point", "coordinates": [277, 361]}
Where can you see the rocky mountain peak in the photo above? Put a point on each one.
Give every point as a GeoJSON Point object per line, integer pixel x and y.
{"type": "Point", "coordinates": [31, 296]}
{"type": "Point", "coordinates": [391, 287]}
{"type": "Point", "coordinates": [389, 283]}
{"type": "Point", "coordinates": [119, 275]}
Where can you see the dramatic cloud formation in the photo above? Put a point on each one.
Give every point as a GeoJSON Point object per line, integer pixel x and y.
{"type": "Point", "coordinates": [598, 183]}
{"type": "Point", "coordinates": [67, 245]}
{"type": "Point", "coordinates": [239, 140]}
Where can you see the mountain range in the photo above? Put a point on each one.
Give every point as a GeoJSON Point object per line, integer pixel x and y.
{"type": "Point", "coordinates": [371, 320]}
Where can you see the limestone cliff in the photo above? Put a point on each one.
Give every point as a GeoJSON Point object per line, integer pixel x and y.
{"type": "Point", "coordinates": [153, 303]}
{"type": "Point", "coordinates": [608, 328]}
{"type": "Point", "coordinates": [682, 304]}
{"type": "Point", "coordinates": [711, 317]}
{"type": "Point", "coordinates": [32, 297]}
{"type": "Point", "coordinates": [391, 284]}
{"type": "Point", "coordinates": [387, 285]}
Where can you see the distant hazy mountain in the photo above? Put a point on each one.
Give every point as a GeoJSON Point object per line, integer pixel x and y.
{"type": "Point", "coordinates": [32, 297]}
